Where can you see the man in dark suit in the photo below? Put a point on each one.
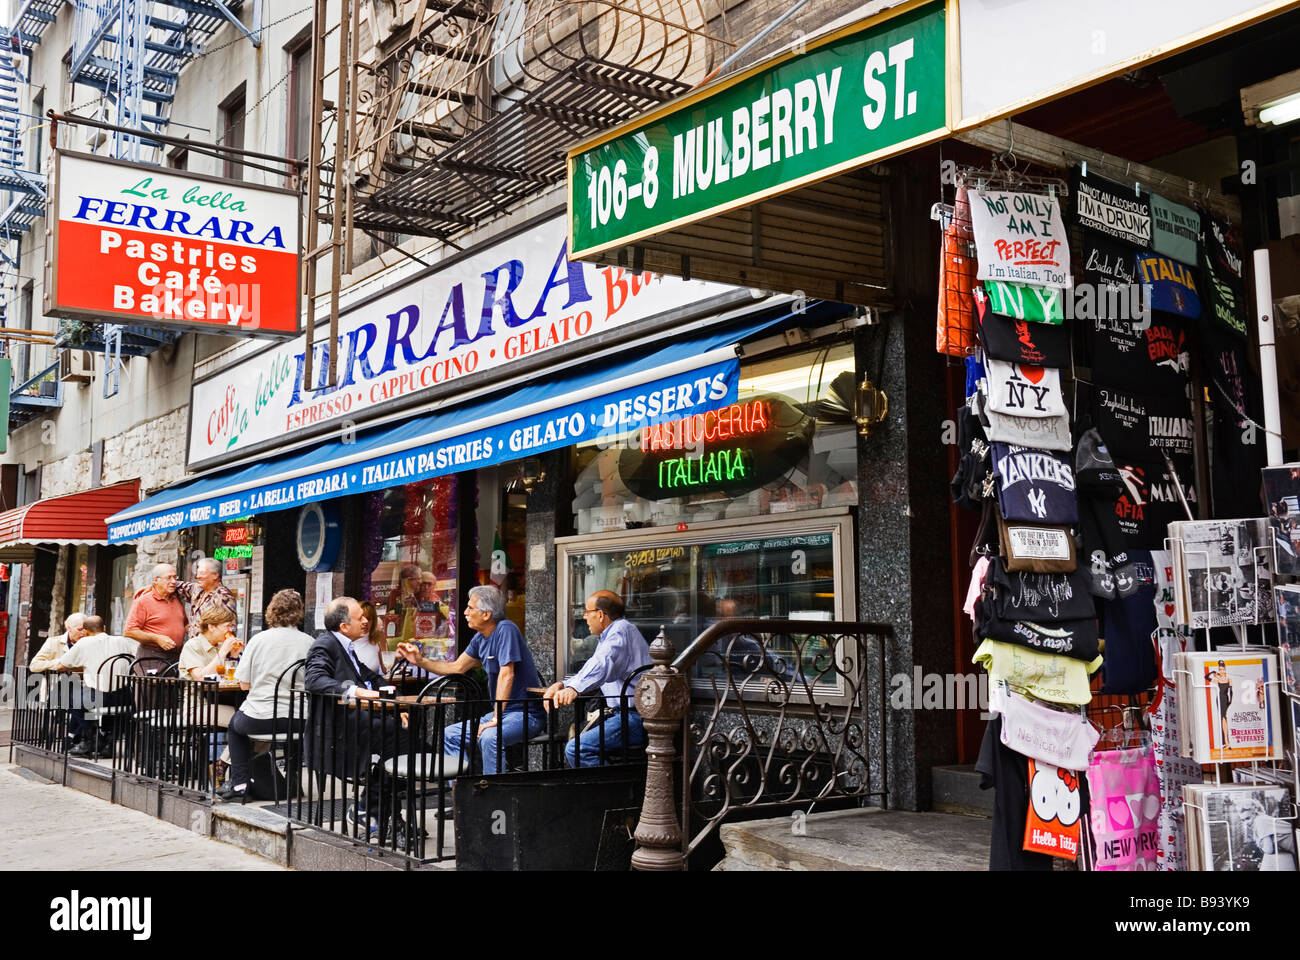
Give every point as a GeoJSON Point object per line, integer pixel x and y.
{"type": "Point", "coordinates": [343, 739]}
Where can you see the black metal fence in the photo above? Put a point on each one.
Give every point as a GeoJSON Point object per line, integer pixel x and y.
{"type": "Point", "coordinates": [780, 716]}
{"type": "Point", "coordinates": [379, 772]}
{"type": "Point", "coordinates": [175, 734]}
{"type": "Point", "coordinates": [43, 704]}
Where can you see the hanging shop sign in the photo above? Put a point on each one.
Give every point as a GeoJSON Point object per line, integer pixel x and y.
{"type": "Point", "coordinates": [731, 449]}
{"type": "Point", "coordinates": [1020, 237]}
{"type": "Point", "coordinates": [1175, 229]}
{"type": "Point", "coordinates": [453, 450]}
{"type": "Point", "coordinates": [145, 245]}
{"type": "Point", "coordinates": [514, 299]}
{"type": "Point", "coordinates": [857, 96]}
{"type": "Point", "coordinates": [319, 535]}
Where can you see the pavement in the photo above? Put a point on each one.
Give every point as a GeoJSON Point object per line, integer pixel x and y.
{"type": "Point", "coordinates": [81, 832]}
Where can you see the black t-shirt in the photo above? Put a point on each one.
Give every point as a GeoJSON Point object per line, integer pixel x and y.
{"type": "Point", "coordinates": [1221, 268]}
{"type": "Point", "coordinates": [1149, 502]}
{"type": "Point", "coordinates": [1141, 426]}
{"type": "Point", "coordinates": [1039, 597]}
{"type": "Point", "coordinates": [1022, 341]}
{"type": "Point", "coordinates": [1150, 352]}
{"type": "Point", "coordinates": [1006, 771]}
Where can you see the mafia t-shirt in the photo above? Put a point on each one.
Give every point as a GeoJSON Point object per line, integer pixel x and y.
{"type": "Point", "coordinates": [1149, 501]}
{"type": "Point", "coordinates": [1021, 341]}
{"type": "Point", "coordinates": [1034, 486]}
{"type": "Point", "coordinates": [1021, 390]}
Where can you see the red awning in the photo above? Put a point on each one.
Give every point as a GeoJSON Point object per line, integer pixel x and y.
{"type": "Point", "coordinates": [76, 518]}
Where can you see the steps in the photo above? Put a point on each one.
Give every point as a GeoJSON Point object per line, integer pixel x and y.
{"type": "Point", "coordinates": [867, 839]}
{"type": "Point", "coordinates": [956, 789]}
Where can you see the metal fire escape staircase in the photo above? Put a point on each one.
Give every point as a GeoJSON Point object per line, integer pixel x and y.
{"type": "Point", "coordinates": [133, 51]}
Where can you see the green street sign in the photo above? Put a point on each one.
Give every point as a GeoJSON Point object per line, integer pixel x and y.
{"type": "Point", "coordinates": [855, 97]}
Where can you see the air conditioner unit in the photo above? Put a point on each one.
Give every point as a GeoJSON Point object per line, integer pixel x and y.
{"type": "Point", "coordinates": [76, 366]}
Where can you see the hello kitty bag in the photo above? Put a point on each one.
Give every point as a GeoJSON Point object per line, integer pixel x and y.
{"type": "Point", "coordinates": [1124, 795]}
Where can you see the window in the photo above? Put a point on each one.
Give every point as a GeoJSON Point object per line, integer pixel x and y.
{"type": "Point", "coordinates": [771, 569]}
{"type": "Point", "coordinates": [299, 135]}
{"type": "Point", "coordinates": [230, 126]}
{"type": "Point", "coordinates": [409, 561]}
{"type": "Point", "coordinates": [179, 158]}
{"type": "Point", "coordinates": [23, 362]}
{"type": "Point", "coordinates": [36, 152]}
{"type": "Point", "coordinates": [788, 444]}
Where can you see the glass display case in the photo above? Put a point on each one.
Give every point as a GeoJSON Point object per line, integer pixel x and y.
{"type": "Point", "coordinates": [681, 581]}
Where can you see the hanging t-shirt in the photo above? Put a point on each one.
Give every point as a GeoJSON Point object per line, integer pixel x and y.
{"type": "Point", "coordinates": [1003, 769]}
{"type": "Point", "coordinates": [1021, 341]}
{"type": "Point", "coordinates": [1024, 391]}
{"type": "Point", "coordinates": [1040, 597]}
{"type": "Point", "coordinates": [1034, 486]}
{"type": "Point", "coordinates": [1043, 433]}
{"type": "Point", "coordinates": [1150, 501]}
{"type": "Point", "coordinates": [1151, 352]}
{"type": "Point", "coordinates": [1043, 676]}
{"type": "Point", "coordinates": [1221, 266]}
{"type": "Point", "coordinates": [1023, 301]}
{"type": "Point", "coordinates": [1128, 625]}
{"type": "Point", "coordinates": [1112, 208]}
{"type": "Point", "coordinates": [1141, 426]}
{"type": "Point", "coordinates": [1172, 284]}
{"type": "Point", "coordinates": [1076, 639]}
{"type": "Point", "coordinates": [1175, 230]}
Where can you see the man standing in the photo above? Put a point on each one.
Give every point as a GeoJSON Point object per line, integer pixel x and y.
{"type": "Point", "coordinates": [205, 592]}
{"type": "Point", "coordinates": [109, 691]}
{"type": "Point", "coordinates": [620, 652]}
{"type": "Point", "coordinates": [157, 618]}
{"type": "Point", "coordinates": [500, 648]}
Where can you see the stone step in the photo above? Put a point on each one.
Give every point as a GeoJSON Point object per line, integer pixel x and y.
{"type": "Point", "coordinates": [956, 789]}
{"type": "Point", "coordinates": [868, 839]}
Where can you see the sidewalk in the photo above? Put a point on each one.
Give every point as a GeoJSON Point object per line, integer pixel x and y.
{"type": "Point", "coordinates": [44, 827]}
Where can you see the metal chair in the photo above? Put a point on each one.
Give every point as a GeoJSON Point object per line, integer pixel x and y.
{"type": "Point", "coordinates": [106, 706]}
{"type": "Point", "coordinates": [289, 737]}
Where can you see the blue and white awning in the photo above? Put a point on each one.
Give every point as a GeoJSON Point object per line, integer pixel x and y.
{"type": "Point", "coordinates": [689, 376]}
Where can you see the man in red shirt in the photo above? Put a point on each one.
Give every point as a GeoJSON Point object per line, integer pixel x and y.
{"type": "Point", "coordinates": [157, 618]}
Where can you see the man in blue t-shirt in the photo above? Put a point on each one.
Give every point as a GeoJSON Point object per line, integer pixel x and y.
{"type": "Point", "coordinates": [499, 647]}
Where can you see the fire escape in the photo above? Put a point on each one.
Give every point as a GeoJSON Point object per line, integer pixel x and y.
{"type": "Point", "coordinates": [461, 110]}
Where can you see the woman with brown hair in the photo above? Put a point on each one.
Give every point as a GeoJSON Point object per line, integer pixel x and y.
{"type": "Point", "coordinates": [369, 650]}
{"type": "Point", "coordinates": [268, 655]}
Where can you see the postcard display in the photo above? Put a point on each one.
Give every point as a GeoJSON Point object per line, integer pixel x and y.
{"type": "Point", "coordinates": [1087, 557]}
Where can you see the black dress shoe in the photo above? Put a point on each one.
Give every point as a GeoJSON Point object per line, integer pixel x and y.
{"type": "Point", "coordinates": [230, 792]}
{"type": "Point", "coordinates": [82, 749]}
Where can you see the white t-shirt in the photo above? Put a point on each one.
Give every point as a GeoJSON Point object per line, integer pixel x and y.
{"type": "Point", "coordinates": [268, 655]}
{"type": "Point", "coordinates": [94, 651]}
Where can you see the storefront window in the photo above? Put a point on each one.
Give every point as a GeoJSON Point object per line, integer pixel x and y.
{"type": "Point", "coordinates": [80, 574]}
{"type": "Point", "coordinates": [410, 563]}
{"type": "Point", "coordinates": [776, 570]}
{"type": "Point", "coordinates": [788, 444]}
{"type": "Point", "coordinates": [123, 591]}
{"type": "Point", "coordinates": [503, 534]}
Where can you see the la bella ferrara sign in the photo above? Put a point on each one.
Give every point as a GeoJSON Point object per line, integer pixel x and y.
{"type": "Point", "coordinates": [146, 245]}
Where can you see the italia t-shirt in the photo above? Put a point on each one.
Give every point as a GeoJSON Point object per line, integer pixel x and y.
{"type": "Point", "coordinates": [1034, 486]}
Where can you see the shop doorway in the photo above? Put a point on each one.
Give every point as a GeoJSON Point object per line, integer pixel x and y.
{"type": "Point", "coordinates": [502, 532]}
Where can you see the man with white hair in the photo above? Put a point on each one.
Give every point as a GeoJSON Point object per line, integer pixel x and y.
{"type": "Point", "coordinates": [74, 628]}
{"type": "Point", "coordinates": [157, 618]}
{"type": "Point", "coordinates": [204, 592]}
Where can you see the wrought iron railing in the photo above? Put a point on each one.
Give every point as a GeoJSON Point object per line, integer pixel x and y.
{"type": "Point", "coordinates": [378, 773]}
{"type": "Point", "coordinates": [175, 733]}
{"type": "Point", "coordinates": [42, 705]}
{"type": "Point", "coordinates": [782, 719]}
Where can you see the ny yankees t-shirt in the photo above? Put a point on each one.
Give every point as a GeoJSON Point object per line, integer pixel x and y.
{"type": "Point", "coordinates": [1024, 391]}
{"type": "Point", "coordinates": [1034, 486]}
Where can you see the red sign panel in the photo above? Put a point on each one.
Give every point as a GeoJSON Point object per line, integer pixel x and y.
{"type": "Point", "coordinates": [144, 245]}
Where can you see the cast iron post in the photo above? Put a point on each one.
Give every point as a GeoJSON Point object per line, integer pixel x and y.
{"type": "Point", "coordinates": [662, 698]}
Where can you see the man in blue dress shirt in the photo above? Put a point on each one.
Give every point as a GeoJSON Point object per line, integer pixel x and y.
{"type": "Point", "coordinates": [621, 651]}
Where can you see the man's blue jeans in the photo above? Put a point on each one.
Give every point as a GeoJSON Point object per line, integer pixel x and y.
{"type": "Point", "coordinates": [587, 746]}
{"type": "Point", "coordinates": [510, 731]}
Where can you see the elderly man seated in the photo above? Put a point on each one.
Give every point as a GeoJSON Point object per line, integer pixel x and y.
{"type": "Point", "coordinates": [90, 653]}
{"type": "Point", "coordinates": [74, 628]}
{"type": "Point", "coordinates": [499, 647]}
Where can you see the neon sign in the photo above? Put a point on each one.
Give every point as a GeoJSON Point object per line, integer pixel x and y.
{"type": "Point", "coordinates": [233, 553]}
{"type": "Point", "coordinates": [732, 449]}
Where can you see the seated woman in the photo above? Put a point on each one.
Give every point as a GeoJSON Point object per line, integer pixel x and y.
{"type": "Point", "coordinates": [206, 654]}
{"type": "Point", "coordinates": [268, 655]}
